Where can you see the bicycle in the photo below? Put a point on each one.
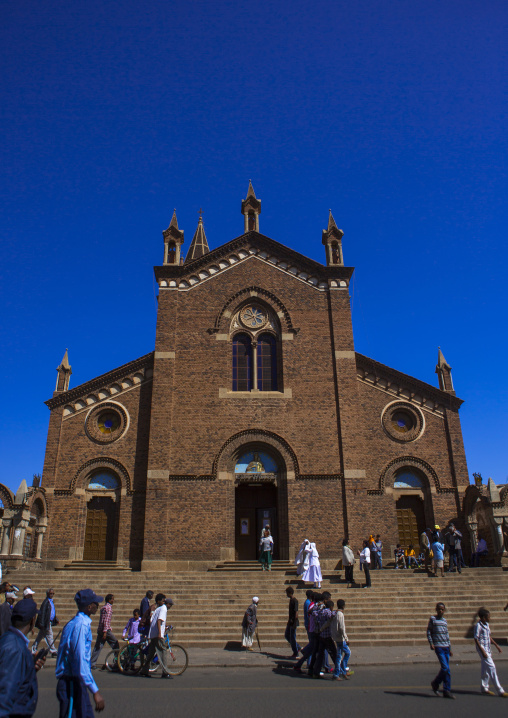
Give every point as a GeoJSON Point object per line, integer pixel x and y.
{"type": "Point", "coordinates": [111, 661]}
{"type": "Point", "coordinates": [132, 657]}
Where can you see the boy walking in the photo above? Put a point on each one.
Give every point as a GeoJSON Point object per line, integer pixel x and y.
{"type": "Point", "coordinates": [439, 639]}
{"type": "Point", "coordinates": [483, 640]}
{"type": "Point", "coordinates": [104, 632]}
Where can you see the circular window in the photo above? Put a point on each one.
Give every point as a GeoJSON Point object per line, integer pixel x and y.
{"type": "Point", "coordinates": [106, 423]}
{"type": "Point", "coordinates": [403, 421]}
{"type": "Point", "coordinates": [253, 317]}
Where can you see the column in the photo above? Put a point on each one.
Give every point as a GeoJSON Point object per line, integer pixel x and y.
{"type": "Point", "coordinates": [254, 365]}
{"type": "Point", "coordinates": [40, 531]}
{"type": "Point", "coordinates": [6, 536]}
{"type": "Point", "coordinates": [499, 539]}
{"type": "Point", "coordinates": [19, 538]}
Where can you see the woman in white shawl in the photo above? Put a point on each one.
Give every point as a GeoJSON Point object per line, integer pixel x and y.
{"type": "Point", "coordinates": [313, 572]}
{"type": "Point", "coordinates": [302, 557]}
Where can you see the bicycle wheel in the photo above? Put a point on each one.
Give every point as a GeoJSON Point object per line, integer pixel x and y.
{"type": "Point", "coordinates": [176, 660]}
{"type": "Point", "coordinates": [129, 660]}
{"type": "Point", "coordinates": [111, 661]}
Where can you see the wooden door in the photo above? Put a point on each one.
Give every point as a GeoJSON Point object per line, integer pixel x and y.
{"type": "Point", "coordinates": [411, 520]}
{"type": "Point", "coordinates": [99, 519]}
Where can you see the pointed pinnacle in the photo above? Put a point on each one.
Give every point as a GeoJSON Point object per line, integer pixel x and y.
{"type": "Point", "coordinates": [174, 221]}
{"type": "Point", "coordinates": [199, 244]}
{"type": "Point", "coordinates": [331, 221]}
{"type": "Point", "coordinates": [250, 191]}
{"type": "Point", "coordinates": [64, 364]}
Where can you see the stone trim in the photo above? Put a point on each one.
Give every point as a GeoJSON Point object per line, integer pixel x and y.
{"type": "Point", "coordinates": [157, 474]}
{"type": "Point", "coordinates": [268, 297]}
{"type": "Point", "coordinates": [255, 394]}
{"type": "Point", "coordinates": [164, 355]}
{"type": "Point", "coordinates": [345, 355]}
{"type": "Point", "coordinates": [355, 474]}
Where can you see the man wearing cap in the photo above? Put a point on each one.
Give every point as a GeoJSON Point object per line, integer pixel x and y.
{"type": "Point", "coordinates": [28, 593]}
{"type": "Point", "coordinates": [6, 611]}
{"type": "Point", "coordinates": [18, 682]}
{"type": "Point", "coordinates": [73, 661]}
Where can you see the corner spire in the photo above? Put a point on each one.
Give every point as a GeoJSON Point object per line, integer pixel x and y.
{"type": "Point", "coordinates": [251, 209]}
{"type": "Point", "coordinates": [444, 372]}
{"type": "Point", "coordinates": [64, 371]}
{"type": "Point", "coordinates": [199, 245]}
{"type": "Point", "coordinates": [332, 239]}
{"type": "Point", "coordinates": [173, 240]}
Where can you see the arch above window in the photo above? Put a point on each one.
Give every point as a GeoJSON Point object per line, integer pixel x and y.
{"type": "Point", "coordinates": [103, 480]}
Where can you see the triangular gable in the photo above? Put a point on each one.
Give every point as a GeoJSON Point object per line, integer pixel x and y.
{"type": "Point", "coordinates": [249, 245]}
{"type": "Point", "coordinates": [105, 386]}
{"type": "Point", "coordinates": [403, 386]}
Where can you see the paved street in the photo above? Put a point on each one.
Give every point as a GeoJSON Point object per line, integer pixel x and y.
{"type": "Point", "coordinates": [254, 692]}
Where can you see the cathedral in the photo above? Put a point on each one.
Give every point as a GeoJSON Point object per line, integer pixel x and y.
{"type": "Point", "coordinates": [252, 409]}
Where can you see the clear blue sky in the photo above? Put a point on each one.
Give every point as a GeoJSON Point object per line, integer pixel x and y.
{"type": "Point", "coordinates": [391, 113]}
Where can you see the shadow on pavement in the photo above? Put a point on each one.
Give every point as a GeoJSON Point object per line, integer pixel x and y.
{"type": "Point", "coordinates": [410, 693]}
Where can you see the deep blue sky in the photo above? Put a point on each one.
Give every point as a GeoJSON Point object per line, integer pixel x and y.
{"type": "Point", "coordinates": [391, 113]}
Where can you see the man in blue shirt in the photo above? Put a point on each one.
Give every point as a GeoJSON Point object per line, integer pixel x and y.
{"type": "Point", "coordinates": [73, 662]}
{"type": "Point", "coordinates": [18, 682]}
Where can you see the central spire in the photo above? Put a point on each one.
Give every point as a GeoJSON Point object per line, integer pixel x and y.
{"type": "Point", "coordinates": [199, 245]}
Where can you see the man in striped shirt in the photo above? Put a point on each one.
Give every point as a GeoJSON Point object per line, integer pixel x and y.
{"type": "Point", "coordinates": [483, 639]}
{"type": "Point", "coordinates": [439, 639]}
{"type": "Point", "coordinates": [104, 632]}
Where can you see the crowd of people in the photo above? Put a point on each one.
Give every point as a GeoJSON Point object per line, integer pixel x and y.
{"type": "Point", "coordinates": [75, 659]}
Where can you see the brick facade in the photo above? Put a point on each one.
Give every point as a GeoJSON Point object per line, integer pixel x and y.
{"type": "Point", "coordinates": [181, 428]}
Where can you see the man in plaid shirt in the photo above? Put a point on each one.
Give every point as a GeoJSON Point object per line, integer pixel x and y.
{"type": "Point", "coordinates": [483, 639]}
{"type": "Point", "coordinates": [104, 632]}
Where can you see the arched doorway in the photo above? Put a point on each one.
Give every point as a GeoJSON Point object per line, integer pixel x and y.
{"type": "Point", "coordinates": [101, 517]}
{"type": "Point", "coordinates": [256, 501]}
{"type": "Point", "coordinates": [412, 499]}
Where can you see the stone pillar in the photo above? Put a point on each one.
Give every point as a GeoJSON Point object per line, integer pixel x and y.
{"type": "Point", "coordinates": [19, 538]}
{"type": "Point", "coordinates": [40, 531]}
{"type": "Point", "coordinates": [6, 536]}
{"type": "Point", "coordinates": [498, 536]}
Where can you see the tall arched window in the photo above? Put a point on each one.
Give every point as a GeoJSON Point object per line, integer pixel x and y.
{"type": "Point", "coordinates": [242, 363]}
{"type": "Point", "coordinates": [267, 363]}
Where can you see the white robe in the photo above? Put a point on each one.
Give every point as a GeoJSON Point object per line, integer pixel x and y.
{"type": "Point", "coordinates": [302, 558]}
{"type": "Point", "coordinates": [313, 571]}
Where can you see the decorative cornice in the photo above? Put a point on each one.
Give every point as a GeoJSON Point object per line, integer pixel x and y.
{"type": "Point", "coordinates": [252, 244]}
{"type": "Point", "coordinates": [401, 385]}
{"type": "Point", "coordinates": [110, 377]}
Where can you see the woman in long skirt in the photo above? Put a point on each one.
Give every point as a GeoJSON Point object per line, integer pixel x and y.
{"type": "Point", "coordinates": [302, 558]}
{"type": "Point", "coordinates": [313, 572]}
{"type": "Point", "coordinates": [266, 550]}
{"type": "Point", "coordinates": [249, 623]}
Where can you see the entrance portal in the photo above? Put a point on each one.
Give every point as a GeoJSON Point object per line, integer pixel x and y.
{"type": "Point", "coordinates": [411, 520]}
{"type": "Point", "coordinates": [255, 508]}
{"type": "Point", "coordinates": [100, 529]}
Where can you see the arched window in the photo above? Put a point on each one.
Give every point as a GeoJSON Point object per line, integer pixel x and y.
{"type": "Point", "coordinates": [171, 253]}
{"type": "Point", "coordinates": [408, 479]}
{"type": "Point", "coordinates": [267, 363]}
{"type": "Point", "coordinates": [242, 363]}
{"type": "Point", "coordinates": [103, 480]}
{"type": "Point", "coordinates": [252, 222]}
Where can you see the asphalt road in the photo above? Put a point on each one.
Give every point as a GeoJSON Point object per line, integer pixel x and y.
{"type": "Point", "coordinates": [254, 692]}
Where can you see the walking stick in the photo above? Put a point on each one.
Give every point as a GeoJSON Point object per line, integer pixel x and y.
{"type": "Point", "coordinates": [257, 639]}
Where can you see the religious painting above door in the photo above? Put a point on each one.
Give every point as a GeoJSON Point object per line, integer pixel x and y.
{"type": "Point", "coordinates": [256, 462]}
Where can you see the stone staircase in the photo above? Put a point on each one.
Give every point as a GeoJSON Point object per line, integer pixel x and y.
{"type": "Point", "coordinates": [209, 605]}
